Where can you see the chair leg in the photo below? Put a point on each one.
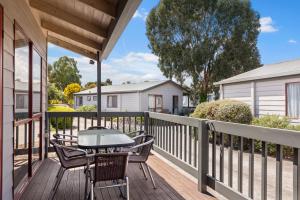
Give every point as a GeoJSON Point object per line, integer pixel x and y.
{"type": "Point", "coordinates": [127, 188]}
{"type": "Point", "coordinates": [59, 171]}
{"type": "Point", "coordinates": [144, 172]}
{"type": "Point", "coordinates": [92, 191]}
{"type": "Point", "coordinates": [58, 180]}
{"type": "Point", "coordinates": [150, 174]}
{"type": "Point", "coordinates": [86, 186]}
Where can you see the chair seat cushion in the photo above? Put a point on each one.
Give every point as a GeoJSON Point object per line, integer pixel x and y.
{"type": "Point", "coordinates": [72, 153]}
{"type": "Point", "coordinates": [136, 158]}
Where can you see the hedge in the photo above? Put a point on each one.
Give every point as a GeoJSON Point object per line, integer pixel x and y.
{"type": "Point", "coordinates": [224, 110]}
{"type": "Point", "coordinates": [87, 109]}
{"type": "Point", "coordinates": [275, 121]}
{"type": "Point", "coordinates": [60, 120]}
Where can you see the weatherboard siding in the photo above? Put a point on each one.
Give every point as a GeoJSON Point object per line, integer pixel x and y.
{"type": "Point", "coordinates": [269, 95]}
{"type": "Point", "coordinates": [137, 101]}
{"type": "Point", "coordinates": [167, 90]}
{"type": "Point", "coordinates": [239, 92]}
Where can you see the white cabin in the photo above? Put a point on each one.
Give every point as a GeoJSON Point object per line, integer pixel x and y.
{"type": "Point", "coordinates": [269, 90]}
{"type": "Point", "coordinates": [157, 96]}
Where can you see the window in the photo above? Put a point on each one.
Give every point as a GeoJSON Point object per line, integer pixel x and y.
{"type": "Point", "coordinates": [293, 100]}
{"type": "Point", "coordinates": [112, 101]}
{"type": "Point", "coordinates": [94, 98]}
{"type": "Point", "coordinates": [21, 101]}
{"type": "Point", "coordinates": [89, 98]}
{"type": "Point", "coordinates": [155, 103]}
{"type": "Point", "coordinates": [28, 98]}
{"type": "Point", "coordinates": [79, 101]}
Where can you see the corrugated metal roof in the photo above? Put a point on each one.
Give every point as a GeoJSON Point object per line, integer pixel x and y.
{"type": "Point", "coordinates": [132, 87]}
{"type": "Point", "coordinates": [286, 68]}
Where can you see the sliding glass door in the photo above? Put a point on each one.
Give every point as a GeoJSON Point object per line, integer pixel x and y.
{"type": "Point", "coordinates": [27, 106]}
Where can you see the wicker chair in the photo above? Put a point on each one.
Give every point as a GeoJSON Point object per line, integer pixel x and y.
{"type": "Point", "coordinates": [67, 163]}
{"type": "Point", "coordinates": [69, 153]}
{"type": "Point", "coordinates": [109, 167]}
{"type": "Point", "coordinates": [140, 154]}
{"type": "Point", "coordinates": [96, 128]}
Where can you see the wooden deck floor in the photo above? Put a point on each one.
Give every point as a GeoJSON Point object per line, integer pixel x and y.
{"type": "Point", "coordinates": [171, 185]}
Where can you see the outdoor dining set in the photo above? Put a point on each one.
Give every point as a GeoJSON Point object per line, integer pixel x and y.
{"type": "Point", "coordinates": [104, 154]}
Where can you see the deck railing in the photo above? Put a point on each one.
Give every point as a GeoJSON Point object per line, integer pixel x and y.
{"type": "Point", "coordinates": [222, 156]}
{"type": "Point", "coordinates": [72, 122]}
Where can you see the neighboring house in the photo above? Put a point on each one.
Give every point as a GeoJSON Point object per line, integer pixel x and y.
{"type": "Point", "coordinates": [157, 96]}
{"type": "Point", "coordinates": [21, 97]}
{"type": "Point", "coordinates": [271, 89]}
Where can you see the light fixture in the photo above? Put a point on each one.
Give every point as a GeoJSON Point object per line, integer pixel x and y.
{"type": "Point", "coordinates": [92, 62]}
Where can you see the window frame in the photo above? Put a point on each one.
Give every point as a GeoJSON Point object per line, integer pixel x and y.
{"type": "Point", "coordinates": [94, 98]}
{"type": "Point", "coordinates": [89, 98]}
{"type": "Point", "coordinates": [155, 104]}
{"type": "Point", "coordinates": [286, 99]}
{"type": "Point", "coordinates": [112, 104]}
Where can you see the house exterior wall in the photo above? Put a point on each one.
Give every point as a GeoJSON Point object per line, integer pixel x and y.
{"type": "Point", "coordinates": [138, 101]}
{"type": "Point", "coordinates": [239, 92]}
{"type": "Point", "coordinates": [20, 12]}
{"type": "Point", "coordinates": [126, 102]}
{"type": "Point", "coordinates": [269, 95]}
{"type": "Point", "coordinates": [167, 90]}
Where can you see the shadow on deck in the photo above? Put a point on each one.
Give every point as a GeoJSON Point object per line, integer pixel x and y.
{"type": "Point", "coordinates": [171, 185]}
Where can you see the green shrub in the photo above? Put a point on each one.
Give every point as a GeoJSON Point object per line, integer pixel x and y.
{"type": "Point", "coordinates": [275, 121]}
{"type": "Point", "coordinates": [224, 110]}
{"type": "Point", "coordinates": [272, 121]}
{"type": "Point", "coordinates": [55, 101]}
{"type": "Point", "coordinates": [87, 109]}
{"type": "Point", "coordinates": [60, 120]}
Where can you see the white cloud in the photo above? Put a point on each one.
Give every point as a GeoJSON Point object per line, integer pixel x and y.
{"type": "Point", "coordinates": [134, 67]}
{"type": "Point", "coordinates": [291, 41]}
{"type": "Point", "coordinates": [140, 14]}
{"type": "Point", "coordinates": [267, 25]}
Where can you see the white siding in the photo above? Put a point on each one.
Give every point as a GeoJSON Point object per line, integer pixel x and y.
{"type": "Point", "coordinates": [239, 92]}
{"type": "Point", "coordinates": [8, 105]}
{"type": "Point", "coordinates": [126, 102]}
{"type": "Point", "coordinates": [269, 94]}
{"type": "Point", "coordinates": [138, 102]}
{"type": "Point", "coordinates": [167, 91]}
{"type": "Point", "coordinates": [130, 102]}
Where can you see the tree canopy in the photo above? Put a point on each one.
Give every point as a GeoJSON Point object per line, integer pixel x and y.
{"type": "Point", "coordinates": [63, 72]}
{"type": "Point", "coordinates": [70, 90]}
{"type": "Point", "coordinates": [204, 40]}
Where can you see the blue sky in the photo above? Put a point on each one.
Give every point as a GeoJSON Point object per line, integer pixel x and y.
{"type": "Point", "coordinates": [131, 59]}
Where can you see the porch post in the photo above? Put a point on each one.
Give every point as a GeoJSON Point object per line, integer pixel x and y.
{"type": "Point", "coordinates": [98, 89]}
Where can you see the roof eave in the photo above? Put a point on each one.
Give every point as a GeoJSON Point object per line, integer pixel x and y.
{"type": "Point", "coordinates": [124, 18]}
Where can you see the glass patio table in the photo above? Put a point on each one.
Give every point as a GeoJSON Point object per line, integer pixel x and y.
{"type": "Point", "coordinates": [103, 139]}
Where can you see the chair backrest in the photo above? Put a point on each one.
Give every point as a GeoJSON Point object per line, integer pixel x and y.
{"type": "Point", "coordinates": [59, 152]}
{"type": "Point", "coordinates": [145, 150]}
{"type": "Point", "coordinates": [96, 128]}
{"type": "Point", "coordinates": [110, 166]}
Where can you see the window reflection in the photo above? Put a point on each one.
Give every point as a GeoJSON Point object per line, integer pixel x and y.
{"type": "Point", "coordinates": [21, 75]}
{"type": "Point", "coordinates": [36, 81]}
{"type": "Point", "coordinates": [21, 106]}
{"type": "Point", "coordinates": [36, 103]}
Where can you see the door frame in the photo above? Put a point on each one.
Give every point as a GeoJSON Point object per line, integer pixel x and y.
{"type": "Point", "coordinates": [173, 108]}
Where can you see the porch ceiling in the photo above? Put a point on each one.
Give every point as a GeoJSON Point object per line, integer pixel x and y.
{"type": "Point", "coordinates": [84, 26]}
